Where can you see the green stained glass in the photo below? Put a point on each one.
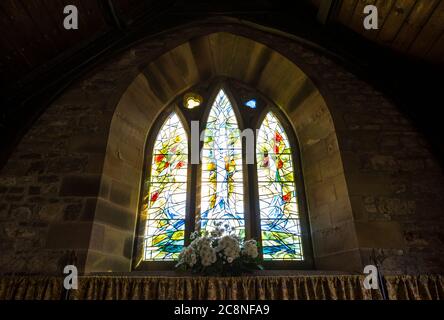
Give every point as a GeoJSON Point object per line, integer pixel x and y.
{"type": "Point", "coordinates": [279, 213]}
{"type": "Point", "coordinates": [222, 187]}
{"type": "Point", "coordinates": [164, 206]}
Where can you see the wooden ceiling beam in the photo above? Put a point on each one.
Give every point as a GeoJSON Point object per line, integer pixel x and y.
{"type": "Point", "coordinates": [111, 14]}
{"type": "Point", "coordinates": [328, 10]}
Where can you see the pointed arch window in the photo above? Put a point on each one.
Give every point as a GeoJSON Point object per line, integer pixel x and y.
{"type": "Point", "coordinates": [264, 200]}
{"type": "Point", "coordinates": [222, 182]}
{"type": "Point", "coordinates": [165, 203]}
{"type": "Point", "coordinates": [279, 212]}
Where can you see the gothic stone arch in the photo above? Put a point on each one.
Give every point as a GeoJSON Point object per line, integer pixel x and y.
{"type": "Point", "coordinates": [73, 181]}
{"type": "Point", "coordinates": [238, 57]}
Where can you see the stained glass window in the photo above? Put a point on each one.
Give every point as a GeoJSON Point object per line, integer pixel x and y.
{"type": "Point", "coordinates": [220, 184]}
{"type": "Point", "coordinates": [279, 214]}
{"type": "Point", "coordinates": [251, 103]}
{"type": "Point", "coordinates": [222, 187]}
{"type": "Point", "coordinates": [165, 203]}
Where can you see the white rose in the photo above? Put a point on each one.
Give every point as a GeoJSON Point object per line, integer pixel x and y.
{"type": "Point", "coordinates": [193, 260]}
{"type": "Point", "coordinates": [250, 242]}
{"type": "Point", "coordinates": [207, 255]}
{"type": "Point", "coordinates": [229, 246]}
{"type": "Point", "coordinates": [188, 256]}
{"type": "Point", "coordinates": [253, 253]}
{"type": "Point", "coordinates": [205, 261]}
{"type": "Point", "coordinates": [250, 248]}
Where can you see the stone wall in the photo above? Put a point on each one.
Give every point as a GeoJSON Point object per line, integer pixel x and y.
{"type": "Point", "coordinates": [60, 190]}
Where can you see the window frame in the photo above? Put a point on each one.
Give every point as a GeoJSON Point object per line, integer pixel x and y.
{"type": "Point", "coordinates": [138, 250]}
{"type": "Point", "coordinates": [209, 91]}
{"type": "Point", "coordinates": [307, 249]}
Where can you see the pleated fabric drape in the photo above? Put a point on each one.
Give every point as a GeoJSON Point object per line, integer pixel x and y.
{"type": "Point", "coordinates": [31, 288]}
{"type": "Point", "coordinates": [220, 288]}
{"type": "Point", "coordinates": [423, 287]}
{"type": "Point", "coordinates": [312, 287]}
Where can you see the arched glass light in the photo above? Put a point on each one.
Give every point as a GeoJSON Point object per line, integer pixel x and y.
{"type": "Point", "coordinates": [192, 100]}
{"type": "Point", "coordinates": [164, 205]}
{"type": "Point", "coordinates": [251, 103]}
{"type": "Point", "coordinates": [222, 180]}
{"type": "Point", "coordinates": [279, 211]}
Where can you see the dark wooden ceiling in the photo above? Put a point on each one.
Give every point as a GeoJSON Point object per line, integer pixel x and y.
{"type": "Point", "coordinates": [412, 27]}
{"type": "Point", "coordinates": [39, 57]}
{"type": "Point", "coordinates": [33, 33]}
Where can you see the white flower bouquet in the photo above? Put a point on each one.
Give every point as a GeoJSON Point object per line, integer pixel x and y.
{"type": "Point", "coordinates": [217, 254]}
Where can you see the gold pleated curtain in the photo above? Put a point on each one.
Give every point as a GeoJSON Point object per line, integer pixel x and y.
{"type": "Point", "coordinates": [225, 288]}
{"type": "Point", "coordinates": [31, 288]}
{"type": "Point", "coordinates": [338, 287]}
{"type": "Point", "coordinates": [424, 287]}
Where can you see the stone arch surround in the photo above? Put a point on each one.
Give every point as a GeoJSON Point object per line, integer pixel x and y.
{"type": "Point", "coordinates": [238, 57]}
{"type": "Point", "coordinates": [73, 181]}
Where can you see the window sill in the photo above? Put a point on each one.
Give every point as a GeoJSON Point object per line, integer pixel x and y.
{"type": "Point", "coordinates": [259, 273]}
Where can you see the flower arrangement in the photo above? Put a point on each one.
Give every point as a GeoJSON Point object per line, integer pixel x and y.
{"type": "Point", "coordinates": [217, 254]}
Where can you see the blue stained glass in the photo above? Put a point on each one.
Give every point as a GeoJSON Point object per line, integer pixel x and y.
{"type": "Point", "coordinates": [279, 212]}
{"type": "Point", "coordinates": [222, 188]}
{"type": "Point", "coordinates": [251, 103]}
{"type": "Point", "coordinates": [164, 205]}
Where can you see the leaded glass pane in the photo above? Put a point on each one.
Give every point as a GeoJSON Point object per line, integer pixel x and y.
{"type": "Point", "coordinates": [165, 204]}
{"type": "Point", "coordinates": [222, 180]}
{"type": "Point", "coordinates": [279, 212]}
